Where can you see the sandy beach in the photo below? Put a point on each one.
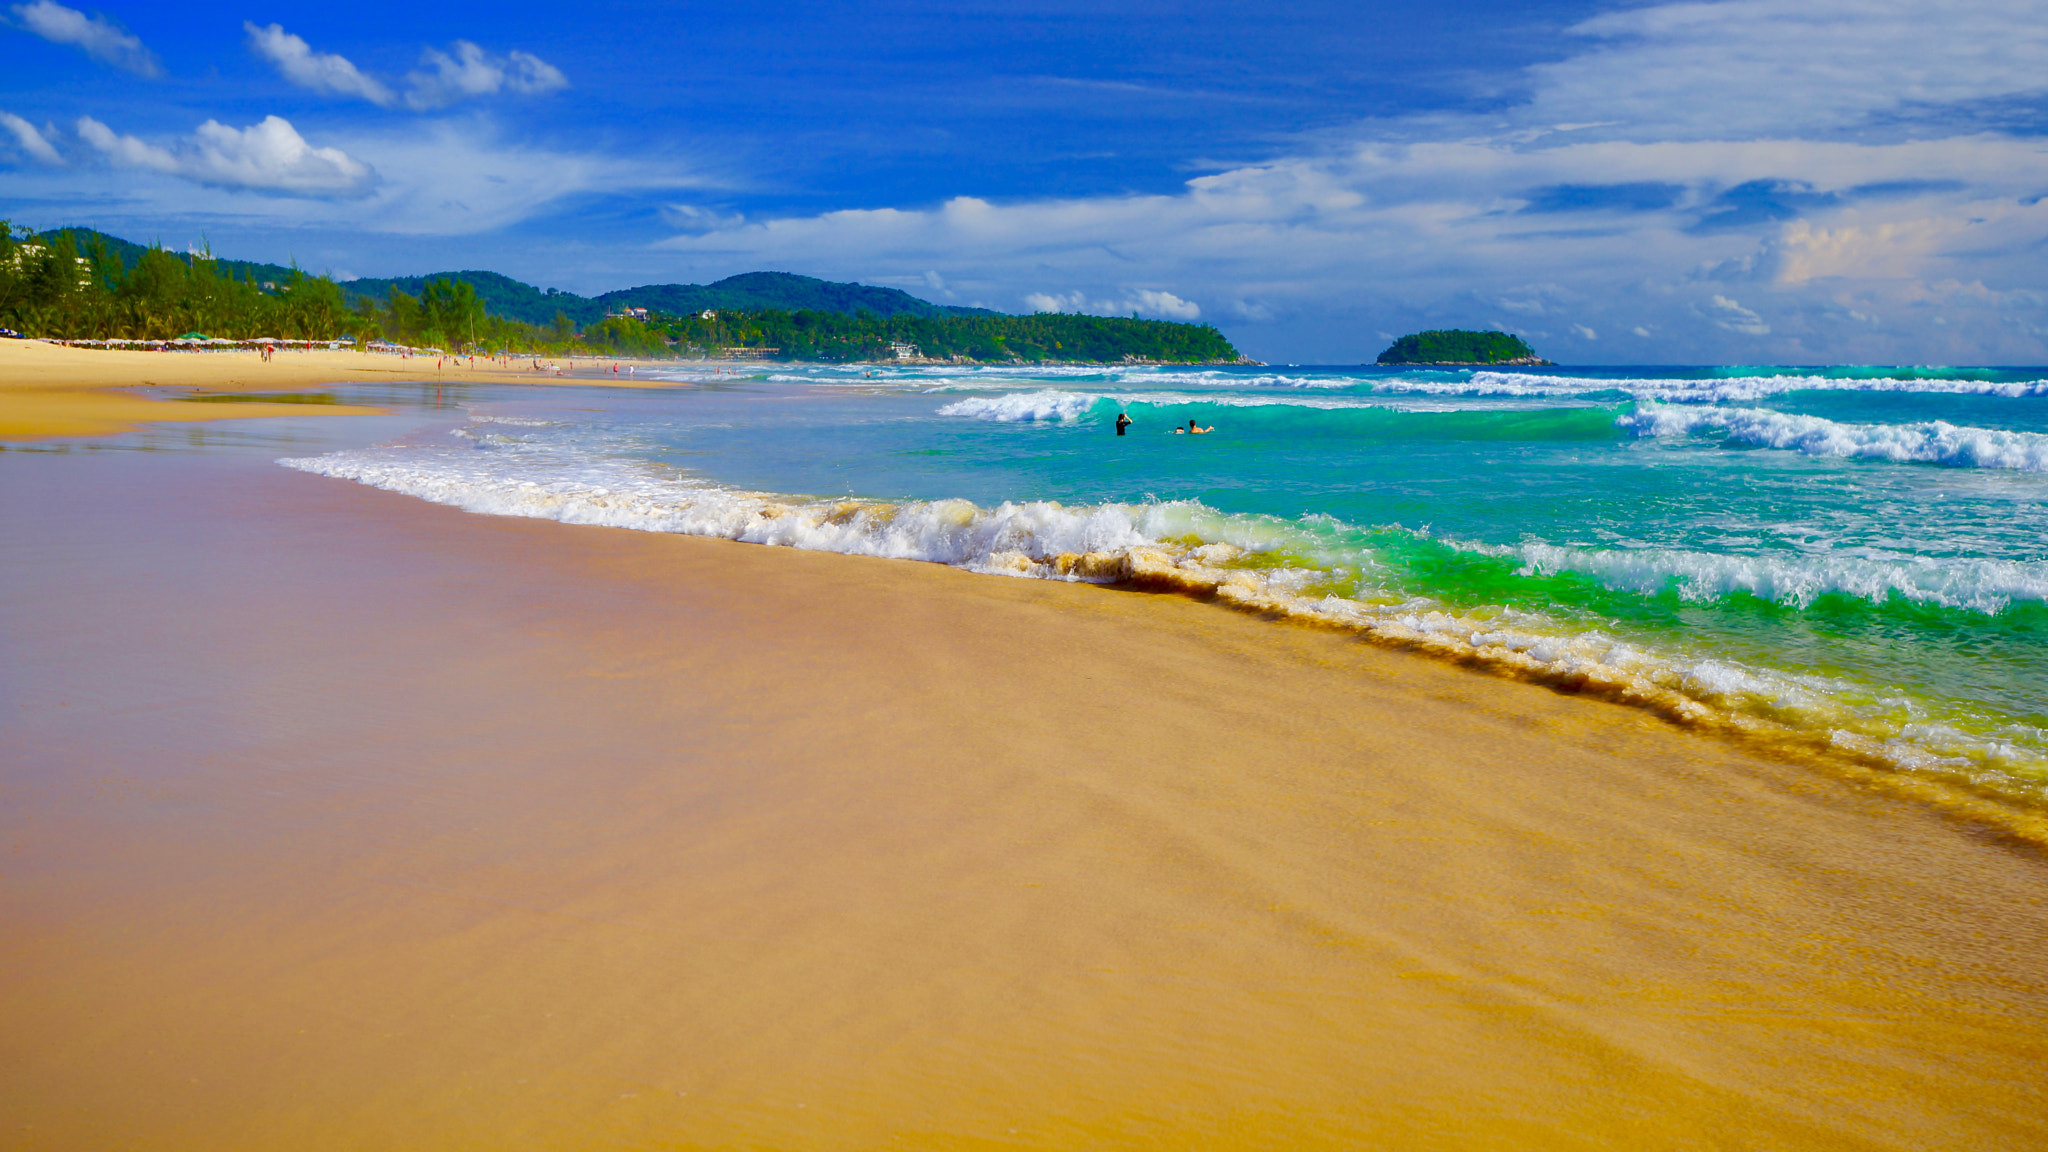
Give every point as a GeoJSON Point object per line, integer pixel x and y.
{"type": "Point", "coordinates": [335, 819]}
{"type": "Point", "coordinates": [52, 390]}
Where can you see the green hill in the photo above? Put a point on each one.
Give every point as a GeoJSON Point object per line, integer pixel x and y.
{"type": "Point", "coordinates": [133, 292]}
{"type": "Point", "coordinates": [1459, 346]}
{"type": "Point", "coordinates": [504, 296]}
{"type": "Point", "coordinates": [746, 292]}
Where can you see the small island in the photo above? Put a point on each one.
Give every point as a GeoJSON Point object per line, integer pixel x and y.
{"type": "Point", "coordinates": [1456, 347]}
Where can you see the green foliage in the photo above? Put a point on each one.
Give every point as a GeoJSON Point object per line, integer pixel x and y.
{"type": "Point", "coordinates": [1054, 336]}
{"type": "Point", "coordinates": [51, 285]}
{"type": "Point", "coordinates": [1457, 346]}
{"type": "Point", "coordinates": [54, 285]}
{"type": "Point", "coordinates": [747, 292]}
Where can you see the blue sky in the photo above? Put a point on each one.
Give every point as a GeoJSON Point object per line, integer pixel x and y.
{"type": "Point", "coordinates": [1755, 181]}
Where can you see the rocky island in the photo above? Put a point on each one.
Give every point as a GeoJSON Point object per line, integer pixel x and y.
{"type": "Point", "coordinates": [1458, 348]}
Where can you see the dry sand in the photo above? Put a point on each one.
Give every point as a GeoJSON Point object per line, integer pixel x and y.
{"type": "Point", "coordinates": [49, 390]}
{"type": "Point", "coordinates": [332, 819]}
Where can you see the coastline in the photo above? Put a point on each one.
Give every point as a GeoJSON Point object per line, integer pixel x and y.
{"type": "Point", "coordinates": [47, 390]}
{"type": "Point", "coordinates": [531, 833]}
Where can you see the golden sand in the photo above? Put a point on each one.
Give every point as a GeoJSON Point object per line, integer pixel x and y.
{"type": "Point", "coordinates": [50, 390]}
{"type": "Point", "coordinates": [333, 819]}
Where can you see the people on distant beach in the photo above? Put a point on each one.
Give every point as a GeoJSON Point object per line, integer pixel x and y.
{"type": "Point", "coordinates": [1123, 421]}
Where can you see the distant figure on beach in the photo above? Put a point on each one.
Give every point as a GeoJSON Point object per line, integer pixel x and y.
{"type": "Point", "coordinates": [1195, 429]}
{"type": "Point", "coordinates": [1123, 421]}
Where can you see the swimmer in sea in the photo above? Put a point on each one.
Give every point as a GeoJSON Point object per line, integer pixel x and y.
{"type": "Point", "coordinates": [1195, 429]}
{"type": "Point", "coordinates": [1123, 421]}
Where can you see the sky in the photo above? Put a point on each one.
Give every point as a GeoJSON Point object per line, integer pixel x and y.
{"type": "Point", "coordinates": [1736, 182]}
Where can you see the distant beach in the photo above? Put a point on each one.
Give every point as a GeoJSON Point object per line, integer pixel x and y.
{"type": "Point", "coordinates": [337, 817]}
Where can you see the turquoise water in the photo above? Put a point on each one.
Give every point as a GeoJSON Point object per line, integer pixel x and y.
{"type": "Point", "coordinates": [1854, 556]}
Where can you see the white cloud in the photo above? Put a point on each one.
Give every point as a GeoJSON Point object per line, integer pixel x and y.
{"type": "Point", "coordinates": [269, 156]}
{"type": "Point", "coordinates": [471, 71]}
{"type": "Point", "coordinates": [692, 218]}
{"type": "Point", "coordinates": [1808, 150]}
{"type": "Point", "coordinates": [1585, 333]}
{"type": "Point", "coordinates": [320, 71]}
{"type": "Point", "coordinates": [1767, 67]}
{"type": "Point", "coordinates": [30, 141]}
{"type": "Point", "coordinates": [94, 35]}
{"type": "Point", "coordinates": [1142, 301]}
{"type": "Point", "coordinates": [1731, 315]}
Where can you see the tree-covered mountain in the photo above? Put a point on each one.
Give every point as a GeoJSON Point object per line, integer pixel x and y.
{"type": "Point", "coordinates": [504, 296]}
{"type": "Point", "coordinates": [746, 292]}
{"type": "Point", "coordinates": [77, 284]}
{"type": "Point", "coordinates": [839, 337]}
{"type": "Point", "coordinates": [1460, 346]}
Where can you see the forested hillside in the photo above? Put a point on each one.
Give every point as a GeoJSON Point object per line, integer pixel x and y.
{"type": "Point", "coordinates": [85, 285]}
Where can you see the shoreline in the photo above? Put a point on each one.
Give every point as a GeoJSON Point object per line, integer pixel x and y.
{"type": "Point", "coordinates": [51, 391]}
{"type": "Point", "coordinates": [47, 391]}
{"type": "Point", "coordinates": [539, 833]}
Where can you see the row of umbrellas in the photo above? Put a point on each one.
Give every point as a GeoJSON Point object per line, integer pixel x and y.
{"type": "Point", "coordinates": [197, 340]}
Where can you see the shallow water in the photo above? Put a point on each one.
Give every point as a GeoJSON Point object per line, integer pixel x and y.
{"type": "Point", "coordinates": [1856, 558]}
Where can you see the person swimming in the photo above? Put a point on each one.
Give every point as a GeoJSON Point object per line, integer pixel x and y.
{"type": "Point", "coordinates": [1123, 421]}
{"type": "Point", "coordinates": [1195, 429]}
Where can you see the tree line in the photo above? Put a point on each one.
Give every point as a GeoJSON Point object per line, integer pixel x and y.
{"type": "Point", "coordinates": [56, 286]}
{"type": "Point", "coordinates": [864, 336]}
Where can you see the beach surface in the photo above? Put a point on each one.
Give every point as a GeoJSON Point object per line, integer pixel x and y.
{"type": "Point", "coordinates": [336, 819]}
{"type": "Point", "coordinates": [51, 390]}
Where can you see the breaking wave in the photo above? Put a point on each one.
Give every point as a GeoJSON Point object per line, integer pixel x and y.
{"type": "Point", "coordinates": [1931, 442]}
{"type": "Point", "coordinates": [1699, 391]}
{"type": "Point", "coordinates": [1300, 570]}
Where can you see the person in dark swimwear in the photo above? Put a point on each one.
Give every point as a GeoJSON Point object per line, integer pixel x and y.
{"type": "Point", "coordinates": [1123, 421]}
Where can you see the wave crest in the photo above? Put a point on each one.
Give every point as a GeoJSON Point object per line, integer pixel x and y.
{"type": "Point", "coordinates": [1931, 442]}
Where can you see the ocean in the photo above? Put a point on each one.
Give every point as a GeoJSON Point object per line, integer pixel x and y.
{"type": "Point", "coordinates": [1847, 562]}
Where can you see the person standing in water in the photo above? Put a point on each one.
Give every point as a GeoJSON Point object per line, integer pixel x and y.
{"type": "Point", "coordinates": [1195, 429]}
{"type": "Point", "coordinates": [1123, 421]}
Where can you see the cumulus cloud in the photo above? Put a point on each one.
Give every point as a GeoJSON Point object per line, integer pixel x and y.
{"type": "Point", "coordinates": [269, 156]}
{"type": "Point", "coordinates": [1140, 302]}
{"type": "Point", "coordinates": [471, 71]}
{"type": "Point", "coordinates": [324, 72]}
{"type": "Point", "coordinates": [443, 79]}
{"type": "Point", "coordinates": [32, 142]}
{"type": "Point", "coordinates": [1731, 315]}
{"type": "Point", "coordinates": [96, 36]}
{"type": "Point", "coordinates": [1770, 67]}
{"type": "Point", "coordinates": [1815, 158]}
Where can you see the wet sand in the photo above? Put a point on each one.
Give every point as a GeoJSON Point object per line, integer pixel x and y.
{"type": "Point", "coordinates": [334, 819]}
{"type": "Point", "coordinates": [49, 390]}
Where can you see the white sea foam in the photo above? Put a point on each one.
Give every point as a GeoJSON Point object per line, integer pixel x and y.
{"type": "Point", "coordinates": [1047, 404]}
{"type": "Point", "coordinates": [1931, 442]}
{"type": "Point", "coordinates": [1055, 405]}
{"type": "Point", "coordinates": [1988, 586]}
{"type": "Point", "coordinates": [1697, 391]}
